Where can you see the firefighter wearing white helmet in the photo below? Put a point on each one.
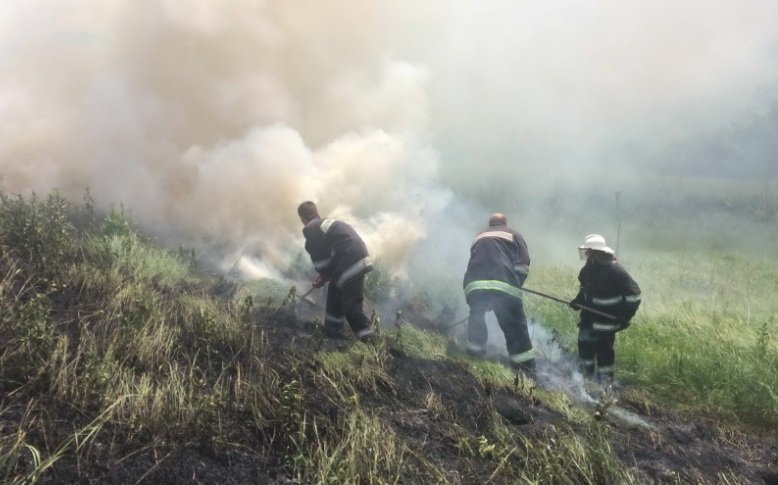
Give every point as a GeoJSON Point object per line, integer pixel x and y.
{"type": "Point", "coordinates": [593, 242]}
{"type": "Point", "coordinates": [608, 288]}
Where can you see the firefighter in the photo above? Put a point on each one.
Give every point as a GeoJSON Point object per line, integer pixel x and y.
{"type": "Point", "coordinates": [607, 287]}
{"type": "Point", "coordinates": [341, 259]}
{"type": "Point", "coordinates": [498, 267]}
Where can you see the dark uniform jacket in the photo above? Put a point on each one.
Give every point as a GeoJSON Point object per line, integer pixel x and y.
{"type": "Point", "coordinates": [336, 250]}
{"type": "Point", "coordinates": [499, 261]}
{"type": "Point", "coordinates": [610, 289]}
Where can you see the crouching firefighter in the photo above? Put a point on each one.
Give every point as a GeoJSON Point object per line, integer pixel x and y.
{"type": "Point", "coordinates": [608, 288]}
{"type": "Point", "coordinates": [340, 257]}
{"type": "Point", "coordinates": [498, 267]}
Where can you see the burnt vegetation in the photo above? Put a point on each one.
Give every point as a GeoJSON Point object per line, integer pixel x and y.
{"type": "Point", "coordinates": [120, 362]}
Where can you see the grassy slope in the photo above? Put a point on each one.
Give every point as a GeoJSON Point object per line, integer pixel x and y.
{"type": "Point", "coordinates": [119, 362]}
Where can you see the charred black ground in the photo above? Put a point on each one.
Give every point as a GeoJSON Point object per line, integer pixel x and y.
{"type": "Point", "coordinates": [679, 449]}
{"type": "Point", "coordinates": [675, 449]}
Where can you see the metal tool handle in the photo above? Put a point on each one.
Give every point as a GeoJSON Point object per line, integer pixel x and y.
{"type": "Point", "coordinates": [582, 307]}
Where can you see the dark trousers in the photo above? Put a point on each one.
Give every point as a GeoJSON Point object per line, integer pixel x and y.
{"type": "Point", "coordinates": [595, 351]}
{"type": "Point", "coordinates": [510, 315]}
{"type": "Point", "coordinates": [347, 304]}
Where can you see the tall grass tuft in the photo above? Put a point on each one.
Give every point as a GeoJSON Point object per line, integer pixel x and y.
{"type": "Point", "coordinates": [365, 451]}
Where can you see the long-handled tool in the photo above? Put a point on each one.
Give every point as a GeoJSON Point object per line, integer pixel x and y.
{"type": "Point", "coordinates": [550, 297]}
{"type": "Point", "coordinates": [307, 292]}
{"type": "Point", "coordinates": [582, 307]}
{"type": "Point", "coordinates": [458, 322]}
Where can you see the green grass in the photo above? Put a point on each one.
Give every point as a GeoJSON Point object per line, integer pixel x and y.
{"type": "Point", "coordinates": [569, 457]}
{"type": "Point", "coordinates": [704, 337]}
{"type": "Point", "coordinates": [127, 337]}
{"type": "Point", "coordinates": [368, 452]}
{"type": "Point", "coordinates": [132, 343]}
{"type": "Point", "coordinates": [118, 330]}
{"type": "Point", "coordinates": [417, 343]}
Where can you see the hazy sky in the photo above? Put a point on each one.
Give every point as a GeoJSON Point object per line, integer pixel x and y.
{"type": "Point", "coordinates": [216, 118]}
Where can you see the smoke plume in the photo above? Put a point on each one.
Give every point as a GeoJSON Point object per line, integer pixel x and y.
{"type": "Point", "coordinates": [211, 121]}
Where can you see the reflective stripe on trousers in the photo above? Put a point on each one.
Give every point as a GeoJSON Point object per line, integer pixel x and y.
{"type": "Point", "coordinates": [522, 357]}
{"type": "Point", "coordinates": [353, 270]}
{"type": "Point", "coordinates": [474, 347]}
{"type": "Point", "coordinates": [333, 319]}
{"type": "Point", "coordinates": [605, 327]}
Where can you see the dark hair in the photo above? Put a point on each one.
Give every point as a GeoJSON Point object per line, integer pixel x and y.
{"type": "Point", "coordinates": [307, 210]}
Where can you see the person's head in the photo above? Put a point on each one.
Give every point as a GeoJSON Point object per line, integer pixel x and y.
{"type": "Point", "coordinates": [600, 257]}
{"type": "Point", "coordinates": [596, 249]}
{"type": "Point", "coordinates": [498, 219]}
{"type": "Point", "coordinates": [307, 211]}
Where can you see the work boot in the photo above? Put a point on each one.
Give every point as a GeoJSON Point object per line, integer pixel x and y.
{"type": "Point", "coordinates": [527, 368]}
{"type": "Point", "coordinates": [371, 339]}
{"type": "Point", "coordinates": [367, 336]}
{"type": "Point", "coordinates": [478, 354]}
{"type": "Point", "coordinates": [605, 376]}
{"type": "Point", "coordinates": [587, 369]}
{"type": "Point", "coordinates": [334, 333]}
{"type": "Point", "coordinates": [475, 350]}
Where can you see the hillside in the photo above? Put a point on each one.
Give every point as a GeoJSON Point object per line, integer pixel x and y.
{"type": "Point", "coordinates": [123, 362]}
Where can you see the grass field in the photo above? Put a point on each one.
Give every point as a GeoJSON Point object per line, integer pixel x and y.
{"type": "Point", "coordinates": [706, 334]}
{"type": "Point", "coordinates": [115, 350]}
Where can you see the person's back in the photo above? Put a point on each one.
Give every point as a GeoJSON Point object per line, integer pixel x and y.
{"type": "Point", "coordinates": [500, 254]}
{"type": "Point", "coordinates": [340, 256]}
{"type": "Point", "coordinates": [498, 266]}
{"type": "Point", "coordinates": [499, 259]}
{"type": "Point", "coordinates": [336, 248]}
{"type": "Point", "coordinates": [607, 288]}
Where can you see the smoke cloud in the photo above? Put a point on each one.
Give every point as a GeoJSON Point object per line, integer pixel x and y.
{"type": "Point", "coordinates": [211, 121]}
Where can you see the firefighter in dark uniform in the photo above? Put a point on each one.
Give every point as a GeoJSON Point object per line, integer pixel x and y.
{"type": "Point", "coordinates": [607, 287]}
{"type": "Point", "coordinates": [340, 258]}
{"type": "Point", "coordinates": [498, 267]}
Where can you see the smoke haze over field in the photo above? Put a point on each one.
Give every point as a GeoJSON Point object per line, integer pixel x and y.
{"type": "Point", "coordinates": [213, 120]}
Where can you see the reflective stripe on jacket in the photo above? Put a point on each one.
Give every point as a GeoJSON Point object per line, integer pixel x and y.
{"type": "Point", "coordinates": [336, 250]}
{"type": "Point", "coordinates": [607, 287]}
{"type": "Point", "coordinates": [499, 261]}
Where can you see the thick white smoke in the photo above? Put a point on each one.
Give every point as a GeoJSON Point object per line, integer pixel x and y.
{"type": "Point", "coordinates": [211, 121]}
{"type": "Point", "coordinates": [205, 119]}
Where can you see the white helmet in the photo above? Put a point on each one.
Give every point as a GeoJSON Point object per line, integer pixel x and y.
{"type": "Point", "coordinates": [594, 242]}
